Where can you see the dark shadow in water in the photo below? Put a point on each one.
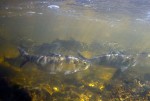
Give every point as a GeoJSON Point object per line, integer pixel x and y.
{"type": "Point", "coordinates": [117, 74]}
{"type": "Point", "coordinates": [10, 92]}
{"type": "Point", "coordinates": [6, 71]}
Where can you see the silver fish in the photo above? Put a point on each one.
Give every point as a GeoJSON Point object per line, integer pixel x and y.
{"type": "Point", "coordinates": [118, 60]}
{"type": "Point", "coordinates": [54, 63]}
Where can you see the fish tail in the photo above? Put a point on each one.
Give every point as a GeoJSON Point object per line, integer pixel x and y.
{"type": "Point", "coordinates": [24, 54]}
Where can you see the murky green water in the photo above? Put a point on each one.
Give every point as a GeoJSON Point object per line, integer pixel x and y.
{"type": "Point", "coordinates": [117, 24]}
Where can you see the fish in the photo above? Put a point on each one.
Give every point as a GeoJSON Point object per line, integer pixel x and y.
{"type": "Point", "coordinates": [113, 59]}
{"type": "Point", "coordinates": [54, 63]}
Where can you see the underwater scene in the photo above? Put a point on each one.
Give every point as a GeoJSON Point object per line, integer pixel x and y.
{"type": "Point", "coordinates": [74, 50]}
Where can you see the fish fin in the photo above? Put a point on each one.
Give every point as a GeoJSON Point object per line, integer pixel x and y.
{"type": "Point", "coordinates": [22, 51]}
{"type": "Point", "coordinates": [81, 56]}
{"type": "Point", "coordinates": [23, 54]}
{"type": "Point", "coordinates": [134, 63]}
{"type": "Point", "coordinates": [23, 63]}
{"type": "Point", "coordinates": [117, 74]}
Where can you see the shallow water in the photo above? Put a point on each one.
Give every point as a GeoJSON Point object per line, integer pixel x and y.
{"type": "Point", "coordinates": [33, 23]}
